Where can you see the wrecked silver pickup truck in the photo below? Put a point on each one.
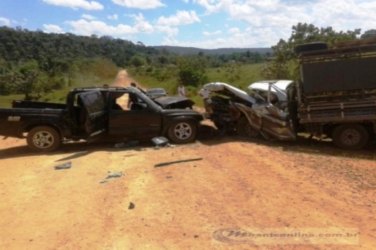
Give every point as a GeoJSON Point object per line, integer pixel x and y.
{"type": "Point", "coordinates": [261, 111]}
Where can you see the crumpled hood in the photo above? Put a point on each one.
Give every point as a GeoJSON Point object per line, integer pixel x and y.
{"type": "Point", "coordinates": [214, 87]}
{"type": "Point", "coordinates": [165, 101]}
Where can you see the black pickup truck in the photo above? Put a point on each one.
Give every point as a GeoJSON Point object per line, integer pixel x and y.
{"type": "Point", "coordinates": [91, 112]}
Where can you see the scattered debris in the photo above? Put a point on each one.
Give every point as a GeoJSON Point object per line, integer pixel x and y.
{"type": "Point", "coordinates": [160, 141]}
{"type": "Point", "coordinates": [114, 175]}
{"type": "Point", "coordinates": [111, 175]}
{"type": "Point", "coordinates": [66, 165]}
{"type": "Point", "coordinates": [75, 155]}
{"type": "Point", "coordinates": [164, 164]}
{"type": "Point", "coordinates": [128, 144]}
{"type": "Point", "coordinates": [131, 206]}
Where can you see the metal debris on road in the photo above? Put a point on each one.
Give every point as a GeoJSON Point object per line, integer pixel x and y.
{"type": "Point", "coordinates": [114, 175]}
{"type": "Point", "coordinates": [66, 165]}
{"type": "Point", "coordinates": [111, 175]}
{"type": "Point", "coordinates": [160, 141]}
{"type": "Point", "coordinates": [131, 206]}
{"type": "Point", "coordinates": [164, 164]}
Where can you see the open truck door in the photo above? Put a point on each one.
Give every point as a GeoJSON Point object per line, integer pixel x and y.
{"type": "Point", "coordinates": [132, 115]}
{"type": "Point", "coordinates": [94, 114]}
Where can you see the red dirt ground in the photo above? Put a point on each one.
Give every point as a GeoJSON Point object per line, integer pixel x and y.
{"type": "Point", "coordinates": [237, 184]}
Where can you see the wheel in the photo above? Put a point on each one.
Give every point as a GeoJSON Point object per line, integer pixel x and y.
{"type": "Point", "coordinates": [182, 132]}
{"type": "Point", "coordinates": [245, 129]}
{"type": "Point", "coordinates": [43, 139]}
{"type": "Point", "coordinates": [350, 136]}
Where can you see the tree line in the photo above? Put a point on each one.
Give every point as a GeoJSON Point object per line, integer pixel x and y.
{"type": "Point", "coordinates": [34, 62]}
{"type": "Point", "coordinates": [284, 64]}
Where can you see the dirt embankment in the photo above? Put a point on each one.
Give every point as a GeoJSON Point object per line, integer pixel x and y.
{"type": "Point", "coordinates": [181, 205]}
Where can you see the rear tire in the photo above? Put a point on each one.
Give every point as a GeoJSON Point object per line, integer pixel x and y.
{"type": "Point", "coordinates": [351, 136]}
{"type": "Point", "coordinates": [245, 129]}
{"type": "Point", "coordinates": [43, 139]}
{"type": "Point", "coordinates": [182, 132]}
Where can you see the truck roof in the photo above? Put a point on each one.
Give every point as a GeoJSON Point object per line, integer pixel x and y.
{"type": "Point", "coordinates": [129, 89]}
{"type": "Point", "coordinates": [354, 51]}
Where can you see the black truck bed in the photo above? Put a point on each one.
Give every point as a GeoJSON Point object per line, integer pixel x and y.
{"type": "Point", "coordinates": [38, 105]}
{"type": "Point", "coordinates": [12, 121]}
{"type": "Point", "coordinates": [345, 69]}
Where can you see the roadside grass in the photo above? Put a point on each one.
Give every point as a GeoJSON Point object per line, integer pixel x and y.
{"type": "Point", "coordinates": [238, 75]}
{"type": "Point", "coordinates": [59, 96]}
{"type": "Point", "coordinates": [6, 100]}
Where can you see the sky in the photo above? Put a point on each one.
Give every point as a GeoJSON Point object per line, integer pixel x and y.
{"type": "Point", "coordinates": [190, 23]}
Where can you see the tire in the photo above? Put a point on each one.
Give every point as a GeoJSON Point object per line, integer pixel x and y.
{"type": "Point", "coordinates": [244, 129]}
{"type": "Point", "coordinates": [351, 136]}
{"type": "Point", "coordinates": [43, 139]}
{"type": "Point", "coordinates": [181, 132]}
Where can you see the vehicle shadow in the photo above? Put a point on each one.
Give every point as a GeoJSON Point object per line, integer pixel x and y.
{"type": "Point", "coordinates": [210, 136]}
{"type": "Point", "coordinates": [207, 135]}
{"type": "Point", "coordinates": [74, 150]}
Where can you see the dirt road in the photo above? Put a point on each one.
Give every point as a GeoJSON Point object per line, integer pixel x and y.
{"type": "Point", "coordinates": [185, 205]}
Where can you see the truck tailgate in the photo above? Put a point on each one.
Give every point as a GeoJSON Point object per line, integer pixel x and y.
{"type": "Point", "coordinates": [13, 121]}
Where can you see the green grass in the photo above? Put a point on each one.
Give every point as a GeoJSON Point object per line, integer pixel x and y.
{"type": "Point", "coordinates": [238, 75]}
{"type": "Point", "coordinates": [59, 96]}
{"type": "Point", "coordinates": [6, 100]}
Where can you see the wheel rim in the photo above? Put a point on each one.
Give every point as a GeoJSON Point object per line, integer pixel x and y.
{"type": "Point", "coordinates": [183, 131]}
{"type": "Point", "coordinates": [43, 139]}
{"type": "Point", "coordinates": [351, 137]}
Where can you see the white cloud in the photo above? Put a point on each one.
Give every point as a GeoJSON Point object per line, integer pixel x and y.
{"type": "Point", "coordinates": [234, 30]}
{"type": "Point", "coordinates": [169, 31]}
{"type": "Point", "coordinates": [214, 33]}
{"type": "Point", "coordinates": [52, 28]}
{"type": "Point", "coordinates": [4, 21]}
{"type": "Point", "coordinates": [142, 25]}
{"type": "Point", "coordinates": [180, 18]}
{"type": "Point", "coordinates": [140, 4]}
{"type": "Point", "coordinates": [243, 39]}
{"type": "Point", "coordinates": [271, 20]}
{"type": "Point", "coordinates": [169, 25]}
{"type": "Point", "coordinates": [113, 17]}
{"type": "Point", "coordinates": [88, 17]}
{"type": "Point", "coordinates": [90, 27]}
{"type": "Point", "coordinates": [76, 4]}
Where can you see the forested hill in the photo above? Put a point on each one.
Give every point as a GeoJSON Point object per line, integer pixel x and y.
{"type": "Point", "coordinates": [34, 63]}
{"type": "Point", "coordinates": [222, 51]}
{"type": "Point", "coordinates": [21, 45]}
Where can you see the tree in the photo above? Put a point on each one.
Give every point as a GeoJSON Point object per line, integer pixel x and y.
{"type": "Point", "coordinates": [27, 78]}
{"type": "Point", "coordinates": [137, 61]}
{"type": "Point", "coordinates": [192, 70]}
{"type": "Point", "coordinates": [369, 34]}
{"type": "Point", "coordinates": [284, 63]}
